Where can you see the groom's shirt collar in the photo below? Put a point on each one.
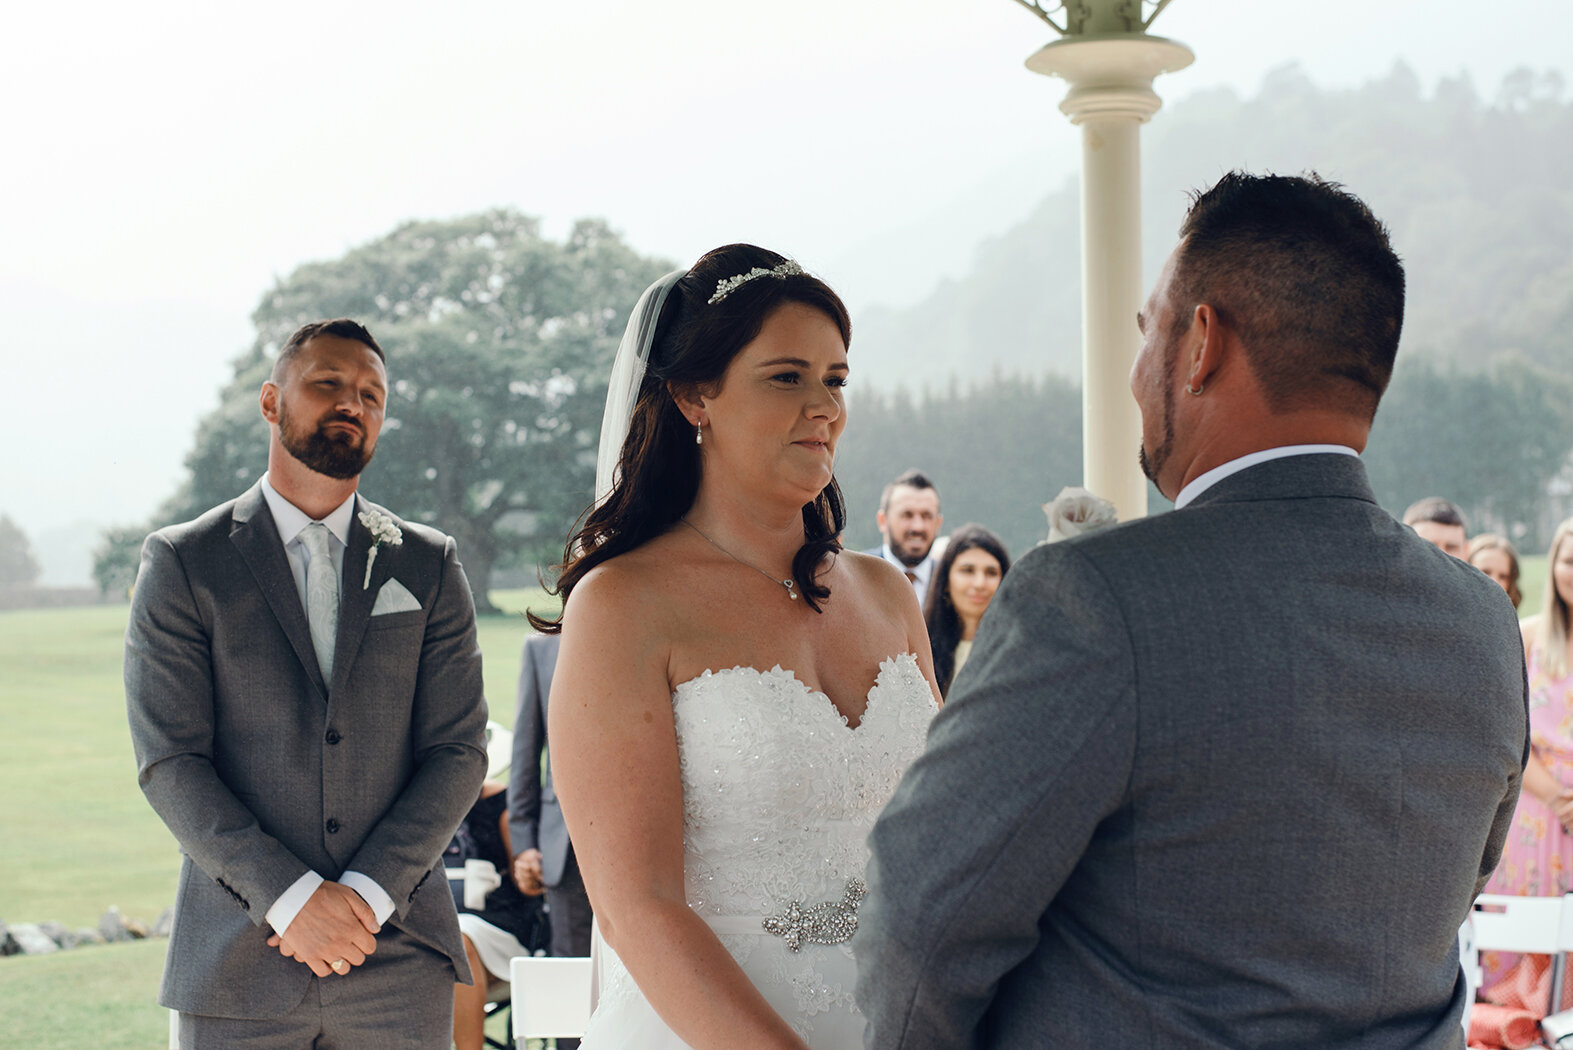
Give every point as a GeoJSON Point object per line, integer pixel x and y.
{"type": "Point", "coordinates": [1202, 482]}
{"type": "Point", "coordinates": [290, 519]}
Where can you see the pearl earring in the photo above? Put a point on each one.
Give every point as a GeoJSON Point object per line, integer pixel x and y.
{"type": "Point", "coordinates": [699, 433]}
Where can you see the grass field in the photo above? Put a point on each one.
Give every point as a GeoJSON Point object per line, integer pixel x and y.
{"type": "Point", "coordinates": [78, 836]}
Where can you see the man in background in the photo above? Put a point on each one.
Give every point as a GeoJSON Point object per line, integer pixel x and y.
{"type": "Point", "coordinates": [909, 520]}
{"type": "Point", "coordinates": [543, 858]}
{"type": "Point", "coordinates": [1439, 522]}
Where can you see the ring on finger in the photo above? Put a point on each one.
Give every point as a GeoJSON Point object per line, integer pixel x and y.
{"type": "Point", "coordinates": [339, 966]}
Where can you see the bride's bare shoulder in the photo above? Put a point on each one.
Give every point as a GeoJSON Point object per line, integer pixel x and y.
{"type": "Point", "coordinates": [624, 589]}
{"type": "Point", "coordinates": [877, 577]}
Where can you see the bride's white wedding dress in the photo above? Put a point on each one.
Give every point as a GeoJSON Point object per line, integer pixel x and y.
{"type": "Point", "coordinates": [779, 795]}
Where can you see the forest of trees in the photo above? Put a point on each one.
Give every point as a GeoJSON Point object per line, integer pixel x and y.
{"type": "Point", "coordinates": [499, 339]}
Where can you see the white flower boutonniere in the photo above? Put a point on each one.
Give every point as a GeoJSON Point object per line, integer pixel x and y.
{"type": "Point", "coordinates": [384, 533]}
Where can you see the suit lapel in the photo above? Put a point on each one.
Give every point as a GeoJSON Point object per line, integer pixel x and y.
{"type": "Point", "coordinates": [356, 600]}
{"type": "Point", "coordinates": [256, 537]}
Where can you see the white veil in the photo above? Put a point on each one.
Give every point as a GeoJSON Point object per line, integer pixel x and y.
{"type": "Point", "coordinates": [633, 353]}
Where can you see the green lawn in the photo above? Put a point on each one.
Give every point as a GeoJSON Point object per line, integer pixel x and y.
{"type": "Point", "coordinates": [1531, 583]}
{"type": "Point", "coordinates": [78, 835]}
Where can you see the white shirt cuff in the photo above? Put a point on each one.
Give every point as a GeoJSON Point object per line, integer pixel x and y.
{"type": "Point", "coordinates": [291, 901]}
{"type": "Point", "coordinates": [371, 893]}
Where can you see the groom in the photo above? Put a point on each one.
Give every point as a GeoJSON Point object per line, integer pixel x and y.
{"type": "Point", "coordinates": [304, 691]}
{"type": "Point", "coordinates": [1229, 776]}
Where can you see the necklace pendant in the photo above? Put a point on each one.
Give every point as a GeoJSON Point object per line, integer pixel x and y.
{"type": "Point", "coordinates": [791, 589]}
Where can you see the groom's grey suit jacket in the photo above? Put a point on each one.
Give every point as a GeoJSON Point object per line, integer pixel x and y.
{"type": "Point", "coordinates": [262, 770]}
{"type": "Point", "coordinates": [1225, 777]}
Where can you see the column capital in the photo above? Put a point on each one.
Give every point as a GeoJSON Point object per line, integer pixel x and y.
{"type": "Point", "coordinates": [1110, 74]}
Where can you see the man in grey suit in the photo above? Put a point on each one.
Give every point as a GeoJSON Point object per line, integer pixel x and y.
{"type": "Point", "coordinates": [543, 857]}
{"type": "Point", "coordinates": [1229, 776]}
{"type": "Point", "coordinates": [304, 691]}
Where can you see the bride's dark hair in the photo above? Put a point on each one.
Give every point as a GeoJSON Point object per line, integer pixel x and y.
{"type": "Point", "coordinates": [658, 468]}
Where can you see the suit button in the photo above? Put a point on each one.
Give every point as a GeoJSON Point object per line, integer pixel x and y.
{"type": "Point", "coordinates": [333, 736]}
{"type": "Point", "coordinates": [332, 826]}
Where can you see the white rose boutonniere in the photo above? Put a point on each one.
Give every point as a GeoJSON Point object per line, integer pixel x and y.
{"type": "Point", "coordinates": [384, 533]}
{"type": "Point", "coordinates": [1075, 511]}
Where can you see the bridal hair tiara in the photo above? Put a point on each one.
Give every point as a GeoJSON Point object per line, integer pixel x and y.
{"type": "Point", "coordinates": [780, 271]}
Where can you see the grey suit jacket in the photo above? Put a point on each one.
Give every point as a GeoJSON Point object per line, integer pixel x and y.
{"type": "Point", "coordinates": [263, 771]}
{"type": "Point", "coordinates": [535, 818]}
{"type": "Point", "coordinates": [1227, 777]}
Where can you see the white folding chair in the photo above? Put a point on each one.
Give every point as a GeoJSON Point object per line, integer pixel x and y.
{"type": "Point", "coordinates": [551, 997]}
{"type": "Point", "coordinates": [1532, 925]}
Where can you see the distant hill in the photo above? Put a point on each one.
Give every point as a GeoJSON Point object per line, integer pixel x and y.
{"type": "Point", "coordinates": [1475, 191]}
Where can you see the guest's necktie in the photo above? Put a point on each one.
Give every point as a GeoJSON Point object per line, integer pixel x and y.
{"type": "Point", "coordinates": [912, 577]}
{"type": "Point", "coordinates": [322, 596]}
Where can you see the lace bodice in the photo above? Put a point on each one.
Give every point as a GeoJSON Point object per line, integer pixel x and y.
{"type": "Point", "coordinates": [779, 791]}
{"type": "Point", "coordinates": [779, 795]}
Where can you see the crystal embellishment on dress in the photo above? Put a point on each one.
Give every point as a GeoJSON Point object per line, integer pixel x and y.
{"type": "Point", "coordinates": [828, 922]}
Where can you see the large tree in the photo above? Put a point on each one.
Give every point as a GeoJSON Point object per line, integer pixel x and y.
{"type": "Point", "coordinates": [498, 341]}
{"type": "Point", "coordinates": [18, 566]}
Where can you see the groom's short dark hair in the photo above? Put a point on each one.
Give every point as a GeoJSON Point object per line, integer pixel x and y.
{"type": "Point", "coordinates": [342, 327]}
{"type": "Point", "coordinates": [1306, 276]}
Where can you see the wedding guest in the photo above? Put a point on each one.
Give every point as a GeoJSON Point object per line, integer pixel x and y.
{"type": "Point", "coordinates": [543, 859]}
{"type": "Point", "coordinates": [503, 924]}
{"type": "Point", "coordinates": [909, 520]}
{"type": "Point", "coordinates": [1538, 858]}
{"type": "Point", "coordinates": [968, 574]}
{"type": "Point", "coordinates": [1497, 558]}
{"type": "Point", "coordinates": [1439, 523]}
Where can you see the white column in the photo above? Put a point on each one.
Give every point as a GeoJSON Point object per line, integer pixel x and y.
{"type": "Point", "coordinates": [1110, 97]}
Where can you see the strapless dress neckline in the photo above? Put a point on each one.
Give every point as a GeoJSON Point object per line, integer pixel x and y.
{"type": "Point", "coordinates": [888, 667]}
{"type": "Point", "coordinates": [779, 793]}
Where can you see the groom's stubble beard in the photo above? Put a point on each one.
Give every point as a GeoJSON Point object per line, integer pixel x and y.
{"type": "Point", "coordinates": [337, 455]}
{"type": "Point", "coordinates": [1153, 461]}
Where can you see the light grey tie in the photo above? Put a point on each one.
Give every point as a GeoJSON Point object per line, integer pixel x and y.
{"type": "Point", "coordinates": [322, 596]}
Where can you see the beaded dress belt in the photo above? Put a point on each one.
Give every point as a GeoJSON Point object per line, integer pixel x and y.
{"type": "Point", "coordinates": [828, 922]}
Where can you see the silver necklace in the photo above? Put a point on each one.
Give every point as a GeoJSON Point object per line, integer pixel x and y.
{"type": "Point", "coordinates": [791, 588]}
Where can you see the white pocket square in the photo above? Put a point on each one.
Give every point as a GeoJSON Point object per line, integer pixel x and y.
{"type": "Point", "coordinates": [394, 598]}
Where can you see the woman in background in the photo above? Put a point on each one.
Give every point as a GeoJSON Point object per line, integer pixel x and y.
{"type": "Point", "coordinates": [1537, 859]}
{"type": "Point", "coordinates": [968, 574]}
{"type": "Point", "coordinates": [1495, 556]}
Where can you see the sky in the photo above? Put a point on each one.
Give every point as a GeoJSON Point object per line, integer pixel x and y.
{"type": "Point", "coordinates": [168, 162]}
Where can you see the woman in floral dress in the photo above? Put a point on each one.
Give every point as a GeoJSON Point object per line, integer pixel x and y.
{"type": "Point", "coordinates": [1537, 860]}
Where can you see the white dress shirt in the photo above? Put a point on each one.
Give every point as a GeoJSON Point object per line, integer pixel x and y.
{"type": "Point", "coordinates": [1202, 482]}
{"type": "Point", "coordinates": [923, 570]}
{"type": "Point", "coordinates": [291, 521]}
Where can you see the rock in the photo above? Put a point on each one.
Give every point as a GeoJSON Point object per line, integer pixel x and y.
{"type": "Point", "coordinates": [8, 945]}
{"type": "Point", "coordinates": [33, 940]}
{"type": "Point", "coordinates": [113, 927]}
{"type": "Point", "coordinates": [63, 938]}
{"type": "Point", "coordinates": [87, 935]}
{"type": "Point", "coordinates": [136, 928]}
{"type": "Point", "coordinates": [164, 923]}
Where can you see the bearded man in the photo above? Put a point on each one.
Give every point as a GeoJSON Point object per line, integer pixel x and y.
{"type": "Point", "coordinates": [1230, 776]}
{"type": "Point", "coordinates": [909, 521]}
{"type": "Point", "coordinates": [304, 691]}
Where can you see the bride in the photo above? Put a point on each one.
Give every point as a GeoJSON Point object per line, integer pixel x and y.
{"type": "Point", "coordinates": [736, 697]}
